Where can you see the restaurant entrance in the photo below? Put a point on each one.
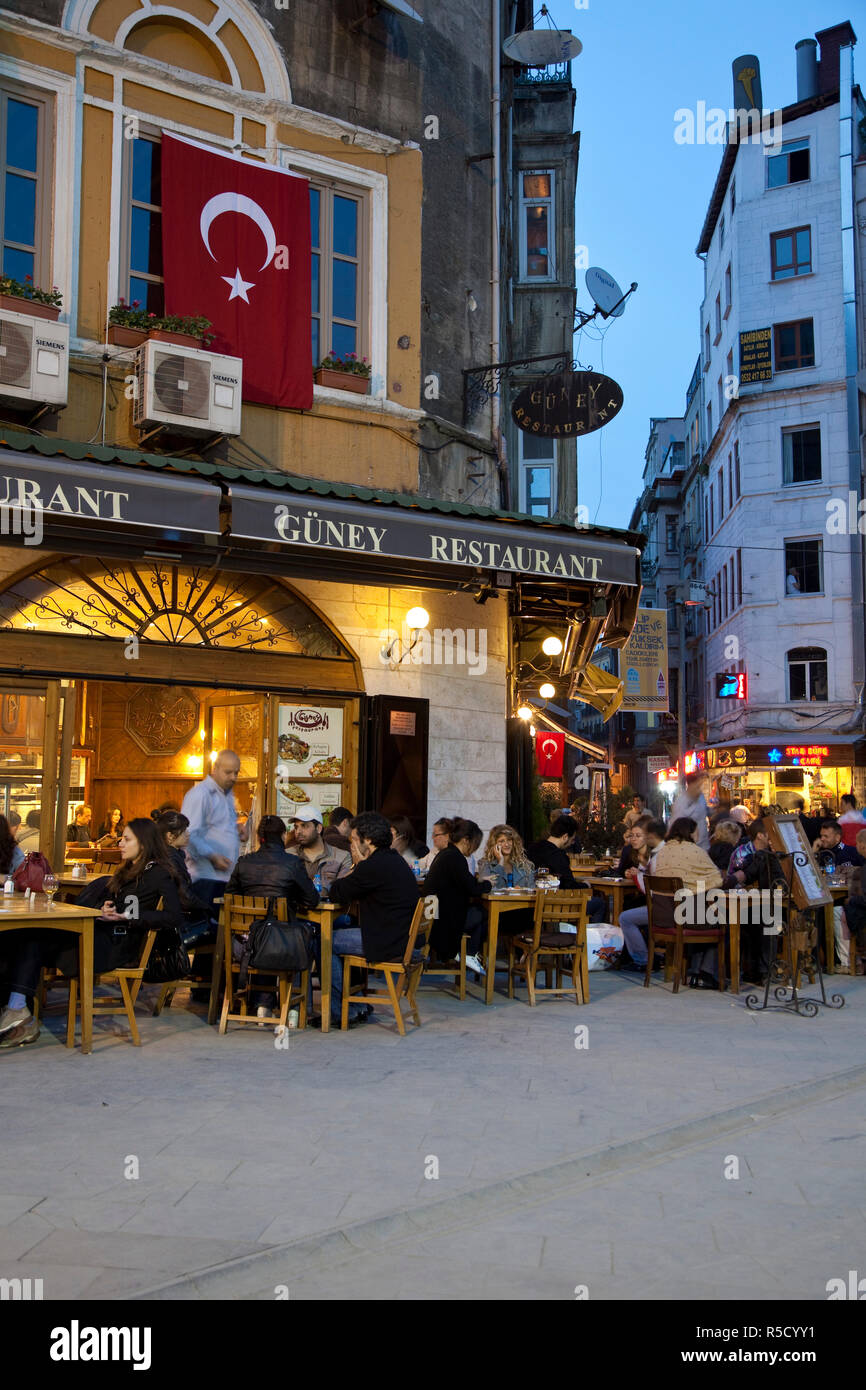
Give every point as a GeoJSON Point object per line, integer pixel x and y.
{"type": "Point", "coordinates": [119, 684]}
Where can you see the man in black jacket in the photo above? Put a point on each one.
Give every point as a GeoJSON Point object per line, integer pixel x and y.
{"type": "Point", "coordinates": [385, 890]}
{"type": "Point", "coordinates": [269, 872]}
{"type": "Point", "coordinates": [552, 854]}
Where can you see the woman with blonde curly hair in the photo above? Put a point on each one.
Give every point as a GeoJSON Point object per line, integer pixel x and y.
{"type": "Point", "coordinates": [504, 860]}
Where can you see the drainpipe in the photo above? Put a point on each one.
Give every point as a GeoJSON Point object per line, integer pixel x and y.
{"type": "Point", "coordinates": [849, 325]}
{"type": "Point", "coordinates": [495, 269]}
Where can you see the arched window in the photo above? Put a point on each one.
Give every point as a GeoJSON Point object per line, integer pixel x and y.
{"type": "Point", "coordinates": [807, 673]}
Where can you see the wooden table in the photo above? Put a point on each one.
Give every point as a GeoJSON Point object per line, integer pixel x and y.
{"type": "Point", "coordinates": [839, 894]}
{"type": "Point", "coordinates": [496, 904]}
{"type": "Point", "coordinates": [616, 887]}
{"type": "Point", "coordinates": [15, 914]}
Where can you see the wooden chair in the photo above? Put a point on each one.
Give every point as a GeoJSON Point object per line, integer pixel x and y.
{"type": "Point", "coordinates": [401, 976]}
{"type": "Point", "coordinates": [237, 914]}
{"type": "Point", "coordinates": [455, 971]}
{"type": "Point", "coordinates": [201, 959]}
{"type": "Point", "coordinates": [128, 978]}
{"type": "Point", "coordinates": [665, 931]}
{"type": "Point", "coordinates": [547, 946]}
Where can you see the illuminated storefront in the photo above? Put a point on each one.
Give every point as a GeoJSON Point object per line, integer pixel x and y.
{"type": "Point", "coordinates": [764, 773]}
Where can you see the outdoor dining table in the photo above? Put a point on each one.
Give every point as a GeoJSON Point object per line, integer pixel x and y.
{"type": "Point", "coordinates": [839, 892]}
{"type": "Point", "coordinates": [616, 887]}
{"type": "Point", "coordinates": [506, 900]}
{"type": "Point", "coordinates": [16, 913]}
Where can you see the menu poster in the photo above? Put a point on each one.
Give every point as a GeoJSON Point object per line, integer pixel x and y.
{"type": "Point", "coordinates": [309, 754]}
{"type": "Point", "coordinates": [789, 842]}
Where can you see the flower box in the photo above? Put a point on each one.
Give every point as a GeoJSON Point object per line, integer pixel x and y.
{"type": "Point", "coordinates": [342, 381]}
{"type": "Point", "coordinates": [164, 335]}
{"type": "Point", "coordinates": [121, 336]}
{"type": "Point", "coordinates": [18, 304]}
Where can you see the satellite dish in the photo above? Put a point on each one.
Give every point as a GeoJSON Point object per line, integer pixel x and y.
{"type": "Point", "coordinates": [402, 8]}
{"type": "Point", "coordinates": [542, 48]}
{"type": "Point", "coordinates": [604, 290]}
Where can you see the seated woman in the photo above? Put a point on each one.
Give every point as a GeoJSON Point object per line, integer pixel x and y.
{"type": "Point", "coordinates": [111, 829]}
{"type": "Point", "coordinates": [11, 854]}
{"type": "Point", "coordinates": [459, 894]}
{"type": "Point", "coordinates": [504, 860]}
{"type": "Point", "coordinates": [725, 838]}
{"type": "Point", "coordinates": [681, 857]}
{"type": "Point", "coordinates": [129, 908]}
{"type": "Point", "coordinates": [199, 929]}
{"type": "Point", "coordinates": [404, 841]}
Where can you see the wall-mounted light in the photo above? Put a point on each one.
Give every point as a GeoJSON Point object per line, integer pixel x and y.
{"type": "Point", "coordinates": [417, 618]}
{"type": "Point", "coordinates": [416, 621]}
{"type": "Point", "coordinates": [547, 691]}
{"type": "Point", "coordinates": [551, 646]}
{"type": "Point", "coordinates": [524, 712]}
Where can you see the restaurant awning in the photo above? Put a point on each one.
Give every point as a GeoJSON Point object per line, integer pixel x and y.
{"type": "Point", "coordinates": [598, 688]}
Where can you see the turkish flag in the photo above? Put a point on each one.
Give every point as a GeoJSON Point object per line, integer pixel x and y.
{"type": "Point", "coordinates": [549, 752]}
{"type": "Point", "coordinates": [236, 250]}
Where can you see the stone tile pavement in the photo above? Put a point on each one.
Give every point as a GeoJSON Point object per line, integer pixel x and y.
{"type": "Point", "coordinates": [559, 1166]}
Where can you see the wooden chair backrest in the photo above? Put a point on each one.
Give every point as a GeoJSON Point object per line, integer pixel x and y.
{"type": "Point", "coordinates": [661, 906]}
{"type": "Point", "coordinates": [564, 905]}
{"type": "Point", "coordinates": [420, 927]}
{"type": "Point", "coordinates": [240, 911]}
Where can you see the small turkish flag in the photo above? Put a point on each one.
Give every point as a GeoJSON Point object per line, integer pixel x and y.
{"type": "Point", "coordinates": [549, 752]}
{"type": "Point", "coordinates": [236, 250]}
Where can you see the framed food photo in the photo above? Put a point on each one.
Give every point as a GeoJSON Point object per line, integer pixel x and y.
{"type": "Point", "coordinates": [788, 840]}
{"type": "Point", "coordinates": [312, 756]}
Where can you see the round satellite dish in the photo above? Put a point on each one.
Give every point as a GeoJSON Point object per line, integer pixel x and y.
{"type": "Point", "coordinates": [542, 48]}
{"type": "Point", "coordinates": [604, 290]}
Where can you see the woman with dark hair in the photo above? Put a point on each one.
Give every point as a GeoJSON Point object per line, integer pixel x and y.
{"type": "Point", "coordinates": [129, 908]}
{"type": "Point", "coordinates": [11, 853]}
{"type": "Point", "coordinates": [111, 829]}
{"type": "Point", "coordinates": [403, 840]}
{"type": "Point", "coordinates": [198, 929]}
{"type": "Point", "coordinates": [459, 893]}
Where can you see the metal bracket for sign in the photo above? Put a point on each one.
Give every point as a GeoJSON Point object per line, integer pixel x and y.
{"type": "Point", "coordinates": [480, 383]}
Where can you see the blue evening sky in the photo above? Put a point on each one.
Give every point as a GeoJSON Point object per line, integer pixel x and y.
{"type": "Point", "coordinates": [641, 198]}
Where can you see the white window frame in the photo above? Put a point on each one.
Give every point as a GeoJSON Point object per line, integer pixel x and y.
{"type": "Point", "coordinates": [805, 699]}
{"type": "Point", "coordinates": [524, 463]}
{"type": "Point", "coordinates": [798, 429]}
{"type": "Point", "coordinates": [522, 204]}
{"type": "Point", "coordinates": [771, 152]}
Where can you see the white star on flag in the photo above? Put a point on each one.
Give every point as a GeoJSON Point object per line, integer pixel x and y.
{"type": "Point", "coordinates": [239, 286]}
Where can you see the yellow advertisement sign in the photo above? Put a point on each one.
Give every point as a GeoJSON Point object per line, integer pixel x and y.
{"type": "Point", "coordinates": [643, 663]}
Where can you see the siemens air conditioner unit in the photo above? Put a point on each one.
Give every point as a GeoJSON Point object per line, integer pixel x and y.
{"type": "Point", "coordinates": [186, 390]}
{"type": "Point", "coordinates": [34, 360]}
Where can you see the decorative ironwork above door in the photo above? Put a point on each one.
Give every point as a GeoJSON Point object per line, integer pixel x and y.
{"type": "Point", "coordinates": [168, 604]}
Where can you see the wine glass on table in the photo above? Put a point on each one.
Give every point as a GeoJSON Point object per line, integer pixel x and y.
{"type": "Point", "coordinates": [49, 887]}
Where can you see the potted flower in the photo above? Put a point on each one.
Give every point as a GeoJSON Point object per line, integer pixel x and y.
{"type": "Point", "coordinates": [184, 329]}
{"type": "Point", "coordinates": [129, 324]}
{"type": "Point", "coordinates": [23, 297]}
{"type": "Point", "coordinates": [346, 373]}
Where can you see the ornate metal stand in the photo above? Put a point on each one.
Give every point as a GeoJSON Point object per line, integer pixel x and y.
{"type": "Point", "coordinates": [805, 959]}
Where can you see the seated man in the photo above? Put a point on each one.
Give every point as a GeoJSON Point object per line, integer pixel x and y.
{"type": "Point", "coordinates": [385, 890]}
{"type": "Point", "coordinates": [854, 913]}
{"type": "Point", "coordinates": [552, 854]}
{"type": "Point", "coordinates": [336, 832]}
{"type": "Point", "coordinates": [315, 853]}
{"type": "Point", "coordinates": [830, 849]}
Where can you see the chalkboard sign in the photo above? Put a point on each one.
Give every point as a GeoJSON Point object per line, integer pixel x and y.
{"type": "Point", "coordinates": [788, 839]}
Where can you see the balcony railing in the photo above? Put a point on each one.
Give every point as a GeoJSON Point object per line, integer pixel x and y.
{"type": "Point", "coordinates": [557, 72]}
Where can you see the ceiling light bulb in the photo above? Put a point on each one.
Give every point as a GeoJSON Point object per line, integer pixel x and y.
{"type": "Point", "coordinates": [524, 712]}
{"type": "Point", "coordinates": [417, 618]}
{"type": "Point", "coordinates": [547, 691]}
{"type": "Point", "coordinates": [551, 646]}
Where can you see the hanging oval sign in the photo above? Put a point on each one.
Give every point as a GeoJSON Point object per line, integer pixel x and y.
{"type": "Point", "coordinates": [567, 404]}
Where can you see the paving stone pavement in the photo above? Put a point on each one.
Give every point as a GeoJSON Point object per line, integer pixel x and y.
{"type": "Point", "coordinates": [563, 1162]}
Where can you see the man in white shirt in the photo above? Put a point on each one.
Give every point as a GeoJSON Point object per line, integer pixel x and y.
{"type": "Point", "coordinates": [692, 803]}
{"type": "Point", "coordinates": [214, 839]}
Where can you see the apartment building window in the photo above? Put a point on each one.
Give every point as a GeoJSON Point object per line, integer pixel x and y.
{"type": "Point", "coordinates": [807, 673]}
{"type": "Point", "coordinates": [142, 281]}
{"type": "Point", "coordinates": [537, 225]}
{"type": "Point", "coordinates": [728, 290]}
{"type": "Point", "coordinates": [804, 567]}
{"type": "Point", "coordinates": [801, 455]}
{"type": "Point", "coordinates": [537, 474]}
{"type": "Point", "coordinates": [791, 253]}
{"type": "Point", "coordinates": [739, 578]}
{"type": "Point", "coordinates": [718, 318]}
{"type": "Point", "coordinates": [338, 235]}
{"type": "Point", "coordinates": [790, 165]}
{"type": "Point", "coordinates": [707, 532]}
{"type": "Point", "coordinates": [793, 345]}
{"type": "Point", "coordinates": [706, 347]}
{"type": "Point", "coordinates": [725, 590]}
{"type": "Point", "coordinates": [720, 484]}
{"type": "Point", "coordinates": [732, 583]}
{"type": "Point", "coordinates": [25, 202]}
{"type": "Point", "coordinates": [721, 230]}
{"type": "Point", "coordinates": [729, 367]}
{"type": "Point", "coordinates": [730, 482]}
{"type": "Point", "coordinates": [670, 535]}
{"type": "Point", "coordinates": [712, 516]}
{"type": "Point", "coordinates": [733, 196]}
{"type": "Point", "coordinates": [709, 421]}
{"type": "Point", "coordinates": [720, 397]}
{"type": "Point", "coordinates": [737, 466]}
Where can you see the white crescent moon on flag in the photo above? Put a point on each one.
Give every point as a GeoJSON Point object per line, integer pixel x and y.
{"type": "Point", "coordinates": [245, 207]}
{"type": "Point", "coordinates": [549, 743]}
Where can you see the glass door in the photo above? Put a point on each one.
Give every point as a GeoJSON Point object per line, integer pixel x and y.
{"type": "Point", "coordinates": [239, 722]}
{"type": "Point", "coordinates": [37, 731]}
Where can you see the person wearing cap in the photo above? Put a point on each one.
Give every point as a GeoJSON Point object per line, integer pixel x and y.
{"type": "Point", "coordinates": [315, 854]}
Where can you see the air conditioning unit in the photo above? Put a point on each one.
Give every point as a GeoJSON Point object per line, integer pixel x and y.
{"type": "Point", "coordinates": [34, 360]}
{"type": "Point", "coordinates": [190, 391]}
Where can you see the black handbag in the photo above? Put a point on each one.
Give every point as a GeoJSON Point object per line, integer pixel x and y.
{"type": "Point", "coordinates": [168, 958]}
{"type": "Point", "coordinates": [274, 945]}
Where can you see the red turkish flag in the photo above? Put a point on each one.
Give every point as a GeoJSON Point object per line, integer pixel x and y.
{"type": "Point", "coordinates": [549, 752]}
{"type": "Point", "coordinates": [236, 249]}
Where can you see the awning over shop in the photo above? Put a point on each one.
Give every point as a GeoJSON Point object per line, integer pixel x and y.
{"type": "Point", "coordinates": [93, 492]}
{"type": "Point", "coordinates": [788, 750]}
{"type": "Point", "coordinates": [598, 688]}
{"type": "Point", "coordinates": [401, 532]}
